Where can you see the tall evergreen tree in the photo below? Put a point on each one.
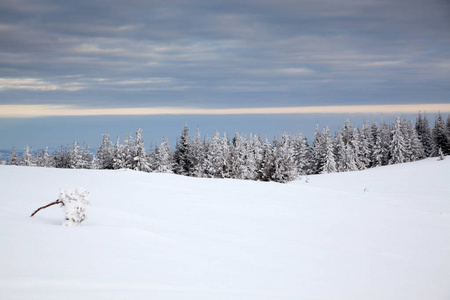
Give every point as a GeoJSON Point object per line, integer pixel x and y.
{"type": "Point", "coordinates": [27, 157]}
{"type": "Point", "coordinates": [284, 164]}
{"type": "Point", "coordinates": [140, 160]}
{"type": "Point", "coordinates": [398, 150]}
{"type": "Point", "coordinates": [163, 158]}
{"type": "Point", "coordinates": [317, 153]}
{"type": "Point", "coordinates": [329, 165]}
{"type": "Point", "coordinates": [440, 135]}
{"type": "Point", "coordinates": [300, 146]}
{"type": "Point", "coordinates": [105, 157]}
{"type": "Point", "coordinates": [182, 153]}
{"type": "Point", "coordinates": [14, 157]}
{"type": "Point", "coordinates": [424, 134]}
{"type": "Point", "coordinates": [197, 156]}
{"type": "Point", "coordinates": [267, 168]}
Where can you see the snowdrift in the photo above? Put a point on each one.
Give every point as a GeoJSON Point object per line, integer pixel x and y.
{"type": "Point", "coordinates": [383, 233]}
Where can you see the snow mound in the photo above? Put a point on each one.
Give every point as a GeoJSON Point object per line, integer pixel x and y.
{"type": "Point", "coordinates": [383, 233]}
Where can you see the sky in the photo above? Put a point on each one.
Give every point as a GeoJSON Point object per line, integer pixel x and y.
{"type": "Point", "coordinates": [73, 70]}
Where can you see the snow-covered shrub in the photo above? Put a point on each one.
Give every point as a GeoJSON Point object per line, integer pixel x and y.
{"type": "Point", "coordinates": [75, 202]}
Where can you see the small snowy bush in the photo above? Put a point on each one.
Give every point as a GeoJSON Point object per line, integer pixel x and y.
{"type": "Point", "coordinates": [75, 202]}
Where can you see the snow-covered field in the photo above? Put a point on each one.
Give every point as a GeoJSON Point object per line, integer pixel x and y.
{"type": "Point", "coordinates": [383, 233]}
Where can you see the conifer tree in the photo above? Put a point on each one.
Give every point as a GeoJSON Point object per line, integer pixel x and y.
{"type": "Point", "coordinates": [317, 154]}
{"type": "Point", "coordinates": [300, 147]}
{"type": "Point", "coordinates": [140, 160]}
{"type": "Point", "coordinates": [398, 149]}
{"type": "Point", "coordinates": [14, 157]}
{"type": "Point", "coordinates": [163, 158]}
{"type": "Point", "coordinates": [197, 156]}
{"type": "Point", "coordinates": [182, 154]}
{"type": "Point", "coordinates": [340, 152]}
{"type": "Point", "coordinates": [329, 165]}
{"type": "Point", "coordinates": [27, 157]}
{"type": "Point", "coordinates": [257, 150]}
{"type": "Point", "coordinates": [119, 158]}
{"type": "Point", "coordinates": [105, 154]}
{"type": "Point", "coordinates": [267, 163]}
{"type": "Point", "coordinates": [358, 152]}
{"type": "Point", "coordinates": [440, 135]}
{"type": "Point", "coordinates": [283, 158]}
{"type": "Point", "coordinates": [86, 157]}
{"type": "Point", "coordinates": [424, 134]}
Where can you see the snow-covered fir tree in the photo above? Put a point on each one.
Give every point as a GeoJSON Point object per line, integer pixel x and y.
{"type": "Point", "coordinates": [42, 158]}
{"type": "Point", "coordinates": [283, 161]}
{"type": "Point", "coordinates": [267, 167]}
{"type": "Point", "coordinates": [197, 156]}
{"type": "Point", "coordinates": [416, 148]}
{"type": "Point", "coordinates": [140, 160]}
{"type": "Point", "coordinates": [182, 155]}
{"type": "Point", "coordinates": [358, 152]}
{"type": "Point", "coordinates": [242, 160]}
{"type": "Point", "coordinates": [27, 158]}
{"type": "Point", "coordinates": [119, 157]}
{"type": "Point", "coordinates": [329, 165]}
{"type": "Point", "coordinates": [441, 137]}
{"type": "Point", "coordinates": [105, 158]}
{"type": "Point", "coordinates": [163, 158]}
{"type": "Point", "coordinates": [317, 153]}
{"type": "Point", "coordinates": [340, 152]}
{"type": "Point", "coordinates": [399, 152]}
{"type": "Point", "coordinates": [300, 147]}
{"type": "Point", "coordinates": [365, 145]}
{"type": "Point", "coordinates": [86, 157]}
{"type": "Point", "coordinates": [256, 147]}
{"type": "Point", "coordinates": [14, 157]}
{"type": "Point", "coordinates": [424, 134]}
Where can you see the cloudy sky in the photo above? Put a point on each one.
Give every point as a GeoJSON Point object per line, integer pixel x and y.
{"type": "Point", "coordinates": [70, 70]}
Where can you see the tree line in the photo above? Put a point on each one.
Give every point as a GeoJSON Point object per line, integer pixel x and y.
{"type": "Point", "coordinates": [250, 157]}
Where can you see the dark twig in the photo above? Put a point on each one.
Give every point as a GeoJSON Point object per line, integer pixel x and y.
{"type": "Point", "coordinates": [53, 203]}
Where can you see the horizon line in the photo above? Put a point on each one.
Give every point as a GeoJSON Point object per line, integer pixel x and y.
{"type": "Point", "coordinates": [35, 111]}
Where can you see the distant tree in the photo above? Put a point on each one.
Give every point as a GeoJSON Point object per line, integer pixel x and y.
{"type": "Point", "coordinates": [182, 153]}
{"type": "Point", "coordinates": [267, 167]}
{"type": "Point", "coordinates": [398, 150]}
{"type": "Point", "coordinates": [105, 158]}
{"type": "Point", "coordinates": [14, 157]}
{"type": "Point", "coordinates": [317, 153]}
{"type": "Point", "coordinates": [358, 151]}
{"type": "Point", "coordinates": [27, 158]}
{"type": "Point", "coordinates": [329, 165]}
{"type": "Point", "coordinates": [416, 148]}
{"type": "Point", "coordinates": [140, 160]}
{"type": "Point", "coordinates": [256, 147]}
{"type": "Point", "coordinates": [86, 157]}
{"type": "Point", "coordinates": [283, 157]}
{"type": "Point", "coordinates": [424, 134]}
{"type": "Point", "coordinates": [164, 163]}
{"type": "Point", "coordinates": [366, 145]}
{"type": "Point", "coordinates": [440, 135]}
{"type": "Point", "coordinates": [44, 159]}
{"type": "Point", "coordinates": [119, 157]}
{"type": "Point", "coordinates": [197, 156]}
{"type": "Point", "coordinates": [300, 147]}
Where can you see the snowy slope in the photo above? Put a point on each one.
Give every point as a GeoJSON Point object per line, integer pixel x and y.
{"type": "Point", "coordinates": [383, 233]}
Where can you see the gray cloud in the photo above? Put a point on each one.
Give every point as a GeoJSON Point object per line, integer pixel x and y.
{"type": "Point", "coordinates": [224, 53]}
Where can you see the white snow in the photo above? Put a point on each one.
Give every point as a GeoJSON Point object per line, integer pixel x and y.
{"type": "Point", "coordinates": [382, 233]}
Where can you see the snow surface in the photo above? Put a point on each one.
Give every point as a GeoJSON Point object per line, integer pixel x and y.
{"type": "Point", "coordinates": [383, 233]}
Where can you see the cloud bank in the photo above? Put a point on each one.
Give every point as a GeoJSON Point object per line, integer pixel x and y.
{"type": "Point", "coordinates": [224, 54]}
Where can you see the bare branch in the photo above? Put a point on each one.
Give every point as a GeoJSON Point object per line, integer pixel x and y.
{"type": "Point", "coordinates": [53, 203]}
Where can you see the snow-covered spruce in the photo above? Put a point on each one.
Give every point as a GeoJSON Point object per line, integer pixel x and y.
{"type": "Point", "coordinates": [74, 205]}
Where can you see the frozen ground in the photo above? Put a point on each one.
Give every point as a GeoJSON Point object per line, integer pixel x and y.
{"type": "Point", "coordinates": [383, 233]}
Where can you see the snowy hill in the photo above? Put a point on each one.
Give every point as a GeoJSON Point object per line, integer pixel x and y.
{"type": "Point", "coordinates": [383, 233]}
